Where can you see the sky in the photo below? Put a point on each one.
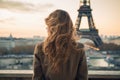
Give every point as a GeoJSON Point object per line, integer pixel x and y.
{"type": "Point", "coordinates": [25, 18]}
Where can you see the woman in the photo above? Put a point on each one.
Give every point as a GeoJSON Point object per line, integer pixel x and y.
{"type": "Point", "coordinates": [59, 57]}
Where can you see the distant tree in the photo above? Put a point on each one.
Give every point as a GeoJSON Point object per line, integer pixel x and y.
{"type": "Point", "coordinates": [23, 49]}
{"type": "Point", "coordinates": [106, 46]}
{"type": "Point", "coordinates": [110, 46]}
{"type": "Point", "coordinates": [3, 51]}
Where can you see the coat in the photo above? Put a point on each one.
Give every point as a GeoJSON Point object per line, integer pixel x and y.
{"type": "Point", "coordinates": [74, 69]}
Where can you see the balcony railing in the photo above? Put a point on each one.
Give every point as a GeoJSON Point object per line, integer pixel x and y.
{"type": "Point", "coordinates": [27, 75]}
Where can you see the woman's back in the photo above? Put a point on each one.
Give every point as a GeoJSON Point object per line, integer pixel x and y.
{"type": "Point", "coordinates": [74, 69]}
{"type": "Point", "coordinates": [59, 57]}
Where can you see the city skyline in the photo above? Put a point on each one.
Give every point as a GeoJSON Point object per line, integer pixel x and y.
{"type": "Point", "coordinates": [25, 18]}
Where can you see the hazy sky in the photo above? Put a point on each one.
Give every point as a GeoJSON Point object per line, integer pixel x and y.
{"type": "Point", "coordinates": [25, 18]}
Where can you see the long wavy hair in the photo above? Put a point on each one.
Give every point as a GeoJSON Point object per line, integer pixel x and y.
{"type": "Point", "coordinates": [60, 40]}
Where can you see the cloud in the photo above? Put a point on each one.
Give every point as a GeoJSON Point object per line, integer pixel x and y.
{"type": "Point", "coordinates": [9, 20]}
{"type": "Point", "coordinates": [13, 5]}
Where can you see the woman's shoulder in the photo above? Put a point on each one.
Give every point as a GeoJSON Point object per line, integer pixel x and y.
{"type": "Point", "coordinates": [39, 45]}
{"type": "Point", "coordinates": [80, 45]}
{"type": "Point", "coordinates": [80, 48]}
{"type": "Point", "coordinates": [38, 48]}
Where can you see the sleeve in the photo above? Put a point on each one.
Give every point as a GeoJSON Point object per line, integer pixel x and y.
{"type": "Point", "coordinates": [37, 67]}
{"type": "Point", "coordinates": [82, 73]}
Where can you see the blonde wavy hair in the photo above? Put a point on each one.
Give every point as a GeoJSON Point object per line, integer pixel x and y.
{"type": "Point", "coordinates": [60, 40]}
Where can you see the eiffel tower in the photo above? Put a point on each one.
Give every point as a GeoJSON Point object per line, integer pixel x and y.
{"type": "Point", "coordinates": [92, 32]}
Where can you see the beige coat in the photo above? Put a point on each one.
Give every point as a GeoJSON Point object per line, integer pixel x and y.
{"type": "Point", "coordinates": [74, 69]}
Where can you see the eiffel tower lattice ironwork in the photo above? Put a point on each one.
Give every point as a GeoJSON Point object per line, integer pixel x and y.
{"type": "Point", "coordinates": [92, 32]}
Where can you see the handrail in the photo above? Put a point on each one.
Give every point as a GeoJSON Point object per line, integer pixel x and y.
{"type": "Point", "coordinates": [91, 74]}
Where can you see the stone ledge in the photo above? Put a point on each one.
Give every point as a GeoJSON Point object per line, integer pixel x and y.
{"type": "Point", "coordinates": [16, 73]}
{"type": "Point", "coordinates": [91, 73]}
{"type": "Point", "coordinates": [104, 74]}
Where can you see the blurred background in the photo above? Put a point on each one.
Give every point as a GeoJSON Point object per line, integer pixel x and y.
{"type": "Point", "coordinates": [22, 26]}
